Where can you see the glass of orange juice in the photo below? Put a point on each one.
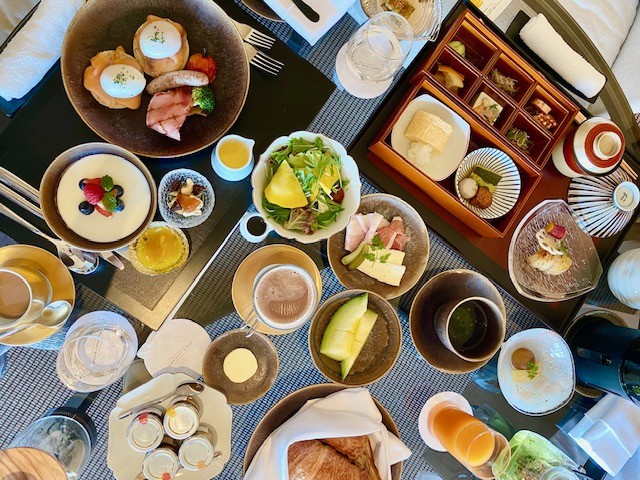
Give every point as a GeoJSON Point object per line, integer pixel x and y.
{"type": "Point", "coordinates": [483, 451]}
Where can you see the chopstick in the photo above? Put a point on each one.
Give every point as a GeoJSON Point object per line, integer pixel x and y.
{"type": "Point", "coordinates": [628, 170]}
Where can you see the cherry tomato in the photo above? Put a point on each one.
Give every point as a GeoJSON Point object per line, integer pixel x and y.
{"type": "Point", "coordinates": [201, 62]}
{"type": "Point", "coordinates": [338, 197]}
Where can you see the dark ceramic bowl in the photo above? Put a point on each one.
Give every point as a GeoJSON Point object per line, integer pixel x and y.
{"type": "Point", "coordinates": [445, 287]}
{"type": "Point", "coordinates": [105, 24]}
{"type": "Point", "coordinates": [259, 384]}
{"type": "Point", "coordinates": [380, 351]}
{"type": "Point", "coordinates": [416, 251]}
{"type": "Point", "coordinates": [49, 190]}
{"type": "Point", "coordinates": [289, 405]}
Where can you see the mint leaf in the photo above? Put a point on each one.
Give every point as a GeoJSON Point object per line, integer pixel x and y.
{"type": "Point", "coordinates": [384, 258]}
{"type": "Point", "coordinates": [109, 201]}
{"type": "Point", "coordinates": [106, 183]}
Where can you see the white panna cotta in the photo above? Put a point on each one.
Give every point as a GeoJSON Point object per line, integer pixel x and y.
{"type": "Point", "coordinates": [96, 227]}
{"type": "Point", "coordinates": [122, 81]}
{"type": "Point", "coordinates": [160, 39]}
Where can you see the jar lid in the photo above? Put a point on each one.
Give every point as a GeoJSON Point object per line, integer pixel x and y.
{"type": "Point", "coordinates": [161, 464]}
{"type": "Point", "coordinates": [145, 432]}
{"type": "Point", "coordinates": [197, 452]}
{"type": "Point", "coordinates": [181, 420]}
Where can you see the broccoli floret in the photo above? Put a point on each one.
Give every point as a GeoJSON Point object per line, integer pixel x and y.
{"type": "Point", "coordinates": [204, 98]}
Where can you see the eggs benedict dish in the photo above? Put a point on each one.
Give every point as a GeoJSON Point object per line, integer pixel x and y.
{"type": "Point", "coordinates": [161, 46]}
{"type": "Point", "coordinates": [115, 79]}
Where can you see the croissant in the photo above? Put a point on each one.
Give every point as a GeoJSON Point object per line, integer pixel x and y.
{"type": "Point", "coordinates": [332, 459]}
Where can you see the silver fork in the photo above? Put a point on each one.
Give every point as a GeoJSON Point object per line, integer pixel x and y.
{"type": "Point", "coordinates": [253, 36]}
{"type": "Point", "coordinates": [263, 61]}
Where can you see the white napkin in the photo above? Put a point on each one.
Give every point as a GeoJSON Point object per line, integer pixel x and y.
{"type": "Point", "coordinates": [179, 346]}
{"type": "Point", "coordinates": [610, 432]}
{"type": "Point", "coordinates": [347, 413]}
{"type": "Point", "coordinates": [35, 48]}
{"type": "Point", "coordinates": [11, 14]}
{"type": "Point", "coordinates": [330, 12]}
{"type": "Point", "coordinates": [542, 38]}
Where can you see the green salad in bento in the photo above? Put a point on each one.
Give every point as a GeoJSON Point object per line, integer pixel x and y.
{"type": "Point", "coordinates": [305, 188]}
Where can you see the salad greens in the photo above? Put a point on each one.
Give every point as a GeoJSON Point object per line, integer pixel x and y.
{"type": "Point", "coordinates": [317, 170]}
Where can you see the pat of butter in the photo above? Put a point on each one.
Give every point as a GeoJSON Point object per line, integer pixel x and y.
{"type": "Point", "coordinates": [240, 365]}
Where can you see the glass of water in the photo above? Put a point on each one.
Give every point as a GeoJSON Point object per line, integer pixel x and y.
{"type": "Point", "coordinates": [378, 48]}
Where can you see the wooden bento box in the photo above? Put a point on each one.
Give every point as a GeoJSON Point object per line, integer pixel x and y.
{"type": "Point", "coordinates": [484, 51]}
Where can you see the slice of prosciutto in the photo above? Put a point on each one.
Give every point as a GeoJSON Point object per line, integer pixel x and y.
{"type": "Point", "coordinates": [354, 234]}
{"type": "Point", "coordinates": [387, 236]}
{"type": "Point", "coordinates": [374, 220]}
{"type": "Point", "coordinates": [168, 110]}
{"type": "Point", "coordinates": [401, 239]}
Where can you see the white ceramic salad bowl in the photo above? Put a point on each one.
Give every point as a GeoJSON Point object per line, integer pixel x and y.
{"type": "Point", "coordinates": [351, 192]}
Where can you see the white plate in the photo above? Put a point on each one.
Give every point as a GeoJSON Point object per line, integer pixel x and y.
{"type": "Point", "coordinates": [553, 387]}
{"type": "Point", "coordinates": [442, 164]}
{"type": "Point", "coordinates": [126, 464]}
{"type": "Point", "coordinates": [507, 191]}
{"type": "Point", "coordinates": [591, 199]}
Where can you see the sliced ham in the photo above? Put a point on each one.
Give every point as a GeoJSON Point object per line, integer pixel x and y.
{"type": "Point", "coordinates": [397, 224]}
{"type": "Point", "coordinates": [168, 110]}
{"type": "Point", "coordinates": [387, 236]}
{"type": "Point", "coordinates": [354, 234]}
{"type": "Point", "coordinates": [400, 241]}
{"type": "Point", "coordinates": [374, 220]}
{"type": "Point", "coordinates": [363, 220]}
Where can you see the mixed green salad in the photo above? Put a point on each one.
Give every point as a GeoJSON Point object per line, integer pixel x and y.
{"type": "Point", "coordinates": [305, 187]}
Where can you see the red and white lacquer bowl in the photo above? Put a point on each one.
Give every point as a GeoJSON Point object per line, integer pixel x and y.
{"type": "Point", "coordinates": [596, 147]}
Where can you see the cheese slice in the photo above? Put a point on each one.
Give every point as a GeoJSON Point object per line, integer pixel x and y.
{"type": "Point", "coordinates": [387, 272]}
{"type": "Point", "coordinates": [396, 257]}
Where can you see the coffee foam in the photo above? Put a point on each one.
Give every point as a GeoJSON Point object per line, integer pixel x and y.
{"type": "Point", "coordinates": [283, 296]}
{"type": "Point", "coordinates": [14, 296]}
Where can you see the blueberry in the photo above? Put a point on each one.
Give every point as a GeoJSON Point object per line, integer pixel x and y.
{"type": "Point", "coordinates": [86, 208]}
{"type": "Point", "coordinates": [118, 190]}
{"type": "Point", "coordinates": [119, 206]}
{"type": "Point", "coordinates": [82, 183]}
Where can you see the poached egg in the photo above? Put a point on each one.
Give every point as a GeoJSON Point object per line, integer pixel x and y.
{"type": "Point", "coordinates": [160, 39]}
{"type": "Point", "coordinates": [122, 81]}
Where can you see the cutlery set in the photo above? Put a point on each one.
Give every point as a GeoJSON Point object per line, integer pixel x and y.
{"type": "Point", "coordinates": [253, 38]}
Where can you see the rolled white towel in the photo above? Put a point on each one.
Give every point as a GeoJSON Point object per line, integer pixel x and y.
{"type": "Point", "coordinates": [542, 38]}
{"type": "Point", "coordinates": [36, 47]}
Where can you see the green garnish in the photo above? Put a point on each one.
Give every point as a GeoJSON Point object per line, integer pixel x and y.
{"type": "Point", "coordinates": [106, 183]}
{"type": "Point", "coordinates": [519, 138]}
{"type": "Point", "coordinates": [374, 254]}
{"type": "Point", "coordinates": [109, 201]}
{"type": "Point", "coordinates": [158, 36]}
{"type": "Point", "coordinates": [532, 370]}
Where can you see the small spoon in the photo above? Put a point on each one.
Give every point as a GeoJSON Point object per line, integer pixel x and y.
{"type": "Point", "coordinates": [51, 316]}
{"type": "Point", "coordinates": [190, 389]}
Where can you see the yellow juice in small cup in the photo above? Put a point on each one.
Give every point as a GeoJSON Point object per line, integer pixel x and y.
{"type": "Point", "coordinates": [233, 153]}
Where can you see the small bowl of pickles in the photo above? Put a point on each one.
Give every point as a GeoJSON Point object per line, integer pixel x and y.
{"type": "Point", "coordinates": [160, 249]}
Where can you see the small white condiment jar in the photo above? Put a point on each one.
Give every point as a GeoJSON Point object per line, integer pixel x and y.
{"type": "Point", "coordinates": [197, 452]}
{"type": "Point", "coordinates": [146, 431]}
{"type": "Point", "coordinates": [161, 464]}
{"type": "Point", "coordinates": [182, 419]}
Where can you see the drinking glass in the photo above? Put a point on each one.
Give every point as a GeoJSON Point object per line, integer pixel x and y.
{"type": "Point", "coordinates": [483, 451]}
{"type": "Point", "coordinates": [96, 354]}
{"type": "Point", "coordinates": [378, 48]}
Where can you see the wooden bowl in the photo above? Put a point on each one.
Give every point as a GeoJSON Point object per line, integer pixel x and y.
{"type": "Point", "coordinates": [259, 384]}
{"type": "Point", "coordinates": [105, 24]}
{"type": "Point", "coordinates": [289, 405]}
{"type": "Point", "coordinates": [49, 188]}
{"type": "Point", "coordinates": [444, 287]}
{"type": "Point", "coordinates": [416, 251]}
{"type": "Point", "coordinates": [380, 351]}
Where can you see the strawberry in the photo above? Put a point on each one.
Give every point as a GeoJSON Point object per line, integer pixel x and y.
{"type": "Point", "coordinates": [95, 181]}
{"type": "Point", "coordinates": [102, 211]}
{"type": "Point", "coordinates": [93, 193]}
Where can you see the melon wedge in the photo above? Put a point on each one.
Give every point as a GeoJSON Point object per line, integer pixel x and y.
{"type": "Point", "coordinates": [365, 327]}
{"type": "Point", "coordinates": [284, 189]}
{"type": "Point", "coordinates": [339, 336]}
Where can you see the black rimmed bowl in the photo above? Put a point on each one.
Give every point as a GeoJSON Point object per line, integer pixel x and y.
{"type": "Point", "coordinates": [105, 24]}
